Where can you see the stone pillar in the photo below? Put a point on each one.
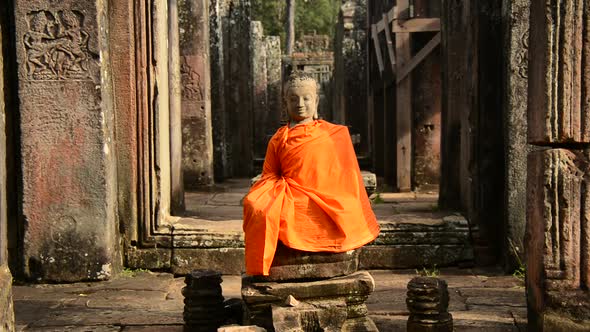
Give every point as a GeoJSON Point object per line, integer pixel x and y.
{"type": "Point", "coordinates": [197, 136]}
{"type": "Point", "coordinates": [66, 143]}
{"type": "Point", "coordinates": [350, 79]}
{"type": "Point", "coordinates": [218, 37]}
{"type": "Point", "coordinates": [6, 308]}
{"type": "Point", "coordinates": [259, 88]}
{"type": "Point", "coordinates": [238, 92]}
{"type": "Point", "coordinates": [274, 80]}
{"type": "Point", "coordinates": [516, 38]}
{"type": "Point", "coordinates": [558, 179]}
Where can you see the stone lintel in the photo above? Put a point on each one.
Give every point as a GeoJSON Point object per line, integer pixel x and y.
{"type": "Point", "coordinates": [67, 141]}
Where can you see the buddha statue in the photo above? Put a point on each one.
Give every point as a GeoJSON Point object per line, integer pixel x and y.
{"type": "Point", "coordinates": [310, 197]}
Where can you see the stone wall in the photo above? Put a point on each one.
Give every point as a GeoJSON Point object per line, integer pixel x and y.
{"type": "Point", "coordinates": [67, 142]}
{"type": "Point", "coordinates": [558, 179]}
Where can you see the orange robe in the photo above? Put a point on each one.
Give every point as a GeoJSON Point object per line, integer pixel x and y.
{"type": "Point", "coordinates": [311, 196]}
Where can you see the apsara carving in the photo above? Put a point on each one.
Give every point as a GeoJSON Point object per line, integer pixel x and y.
{"type": "Point", "coordinates": [56, 46]}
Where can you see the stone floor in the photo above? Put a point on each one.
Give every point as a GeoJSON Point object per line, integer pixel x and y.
{"type": "Point", "coordinates": [481, 300]}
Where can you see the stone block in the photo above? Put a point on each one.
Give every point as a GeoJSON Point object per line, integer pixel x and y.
{"type": "Point", "coordinates": [290, 264]}
{"type": "Point", "coordinates": [328, 315]}
{"type": "Point", "coordinates": [559, 73]}
{"type": "Point", "coordinates": [358, 284]}
{"type": "Point", "coordinates": [557, 228]}
{"type": "Point", "coordinates": [225, 260]}
{"type": "Point", "coordinates": [413, 256]}
{"type": "Point", "coordinates": [335, 304]}
{"type": "Point", "coordinates": [67, 142]}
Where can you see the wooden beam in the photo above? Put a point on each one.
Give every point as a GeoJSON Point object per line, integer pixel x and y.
{"type": "Point", "coordinates": [375, 36]}
{"type": "Point", "coordinates": [380, 26]}
{"type": "Point", "coordinates": [403, 53]}
{"type": "Point", "coordinates": [389, 46]}
{"type": "Point", "coordinates": [416, 25]}
{"type": "Point", "coordinates": [387, 18]}
{"type": "Point", "coordinates": [423, 53]}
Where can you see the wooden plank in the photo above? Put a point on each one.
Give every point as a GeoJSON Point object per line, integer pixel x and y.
{"type": "Point", "coordinates": [421, 55]}
{"type": "Point", "coordinates": [375, 37]}
{"type": "Point", "coordinates": [389, 45]}
{"type": "Point", "coordinates": [416, 25]}
{"type": "Point", "coordinates": [403, 109]}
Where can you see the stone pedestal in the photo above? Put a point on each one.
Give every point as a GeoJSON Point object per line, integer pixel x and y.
{"type": "Point", "coordinates": [203, 301]}
{"type": "Point", "coordinates": [334, 304]}
{"type": "Point", "coordinates": [291, 264]}
{"type": "Point", "coordinates": [428, 303]}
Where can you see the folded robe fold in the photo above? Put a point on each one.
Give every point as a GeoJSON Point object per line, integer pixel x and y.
{"type": "Point", "coordinates": [311, 196]}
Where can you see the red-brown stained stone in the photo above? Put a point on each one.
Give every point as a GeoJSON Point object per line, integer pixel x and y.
{"type": "Point", "coordinates": [66, 126]}
{"type": "Point", "coordinates": [555, 218]}
{"type": "Point", "coordinates": [556, 114]}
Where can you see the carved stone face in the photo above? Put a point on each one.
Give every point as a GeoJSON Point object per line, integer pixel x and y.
{"type": "Point", "coordinates": [302, 101]}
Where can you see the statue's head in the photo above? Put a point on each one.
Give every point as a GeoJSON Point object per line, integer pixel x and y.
{"type": "Point", "coordinates": [301, 97]}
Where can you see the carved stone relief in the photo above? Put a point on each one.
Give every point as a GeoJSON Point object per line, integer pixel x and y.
{"type": "Point", "coordinates": [523, 56]}
{"type": "Point", "coordinates": [56, 45]}
{"type": "Point", "coordinates": [191, 82]}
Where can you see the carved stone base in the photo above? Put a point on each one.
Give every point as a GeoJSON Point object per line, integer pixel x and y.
{"type": "Point", "coordinates": [290, 264]}
{"type": "Point", "coordinates": [336, 304]}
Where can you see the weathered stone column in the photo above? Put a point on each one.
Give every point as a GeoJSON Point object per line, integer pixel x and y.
{"type": "Point", "coordinates": [197, 136]}
{"type": "Point", "coordinates": [6, 308]}
{"type": "Point", "coordinates": [274, 80]}
{"type": "Point", "coordinates": [516, 38]}
{"type": "Point", "coordinates": [350, 79]}
{"type": "Point", "coordinates": [558, 180]}
{"type": "Point", "coordinates": [259, 88]}
{"type": "Point", "coordinates": [218, 33]}
{"type": "Point", "coordinates": [66, 126]}
{"type": "Point", "coordinates": [238, 92]}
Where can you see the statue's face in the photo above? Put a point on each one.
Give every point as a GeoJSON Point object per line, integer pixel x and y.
{"type": "Point", "coordinates": [302, 101]}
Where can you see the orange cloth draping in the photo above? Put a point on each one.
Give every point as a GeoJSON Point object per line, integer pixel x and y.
{"type": "Point", "coordinates": [311, 196]}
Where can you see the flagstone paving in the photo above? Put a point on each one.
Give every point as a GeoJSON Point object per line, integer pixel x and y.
{"type": "Point", "coordinates": [482, 299]}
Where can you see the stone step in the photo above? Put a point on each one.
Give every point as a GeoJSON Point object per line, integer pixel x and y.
{"type": "Point", "coordinates": [414, 234]}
